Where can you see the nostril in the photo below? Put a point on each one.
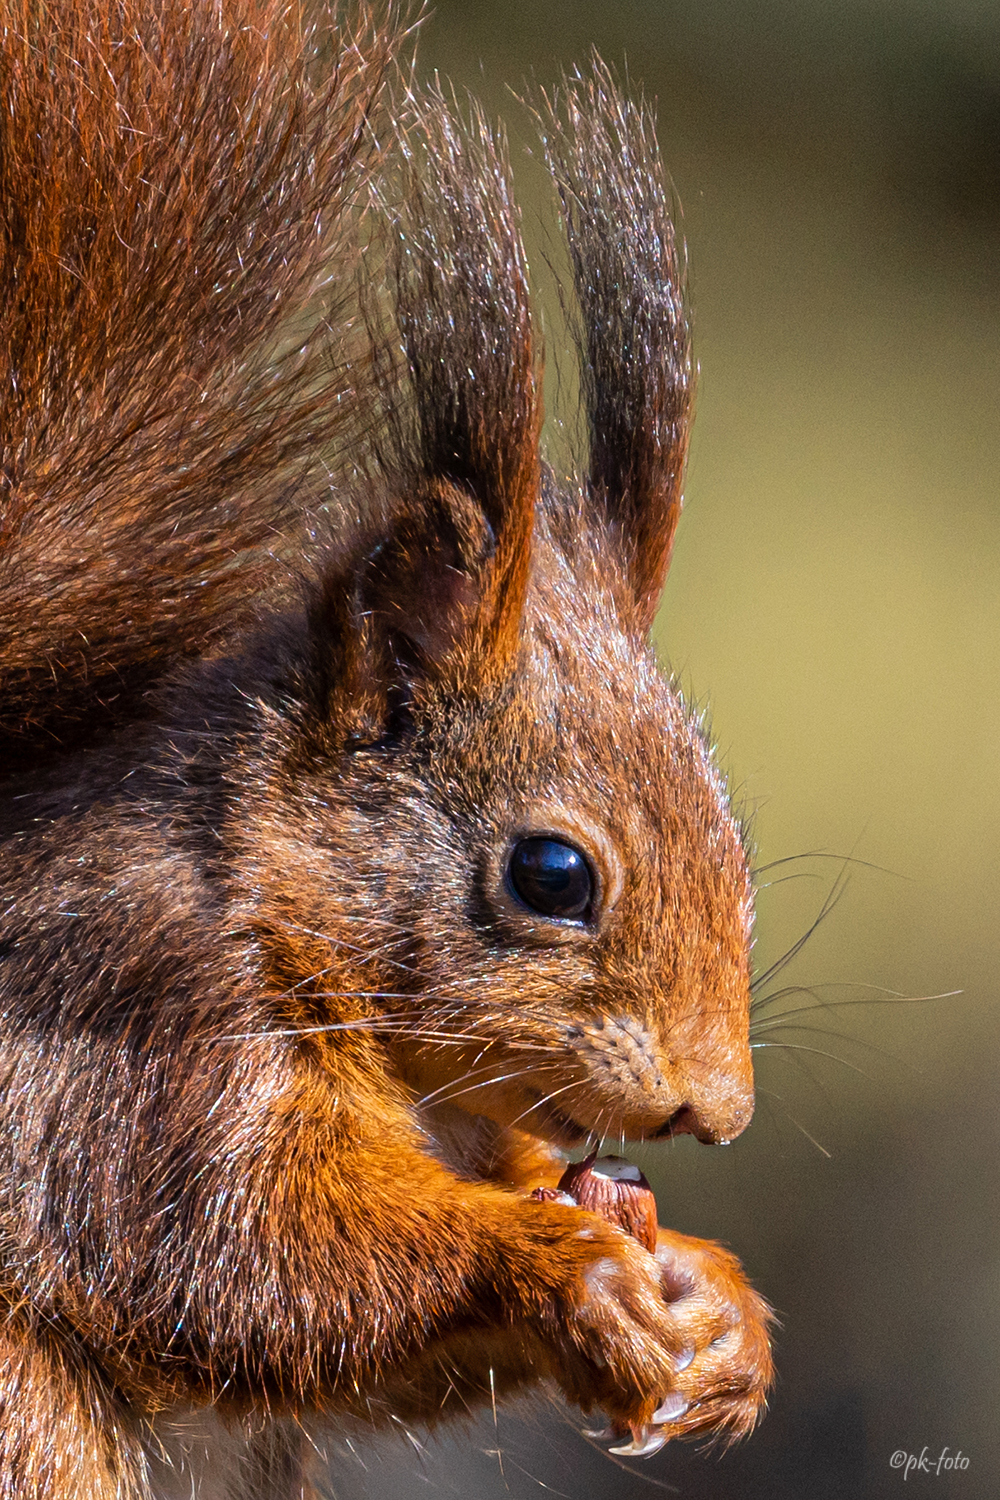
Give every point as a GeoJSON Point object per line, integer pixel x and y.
{"type": "Point", "coordinates": [685, 1121]}
{"type": "Point", "coordinates": [678, 1124]}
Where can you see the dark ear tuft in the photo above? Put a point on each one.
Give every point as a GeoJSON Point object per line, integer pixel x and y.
{"type": "Point", "coordinates": [454, 465]}
{"type": "Point", "coordinates": [635, 351]}
{"type": "Point", "coordinates": [465, 413]}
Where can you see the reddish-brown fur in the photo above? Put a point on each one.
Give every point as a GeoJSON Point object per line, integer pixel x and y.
{"type": "Point", "coordinates": [298, 634]}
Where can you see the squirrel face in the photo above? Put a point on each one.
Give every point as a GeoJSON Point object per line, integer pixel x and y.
{"type": "Point", "coordinates": [631, 1018]}
{"type": "Point", "coordinates": [482, 679]}
{"type": "Point", "coordinates": [629, 1015]}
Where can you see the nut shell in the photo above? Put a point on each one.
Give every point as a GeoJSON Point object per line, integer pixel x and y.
{"type": "Point", "coordinates": [618, 1191]}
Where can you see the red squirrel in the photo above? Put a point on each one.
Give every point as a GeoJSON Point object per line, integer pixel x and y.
{"type": "Point", "coordinates": [358, 863]}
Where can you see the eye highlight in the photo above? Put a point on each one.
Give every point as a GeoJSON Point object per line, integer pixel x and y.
{"type": "Point", "coordinates": [551, 878]}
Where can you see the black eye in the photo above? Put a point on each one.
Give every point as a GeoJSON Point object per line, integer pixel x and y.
{"type": "Point", "coordinates": [551, 877]}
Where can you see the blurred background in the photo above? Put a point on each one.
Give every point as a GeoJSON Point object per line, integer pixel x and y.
{"type": "Point", "coordinates": [834, 603]}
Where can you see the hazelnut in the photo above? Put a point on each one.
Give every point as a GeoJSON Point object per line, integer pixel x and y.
{"type": "Point", "coordinates": [615, 1189]}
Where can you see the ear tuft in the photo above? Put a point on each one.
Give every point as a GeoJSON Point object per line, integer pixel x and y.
{"type": "Point", "coordinates": [635, 348]}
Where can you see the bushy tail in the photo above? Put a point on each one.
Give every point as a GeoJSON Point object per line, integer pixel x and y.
{"type": "Point", "coordinates": [174, 186]}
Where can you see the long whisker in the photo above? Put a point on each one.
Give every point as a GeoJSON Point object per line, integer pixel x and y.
{"type": "Point", "coordinates": [546, 1098]}
{"type": "Point", "coordinates": [443, 1096]}
{"type": "Point", "coordinates": [810, 1138]}
{"type": "Point", "coordinates": [842, 859]}
{"type": "Point", "coordinates": [840, 1036]}
{"type": "Point", "coordinates": [819, 1052]}
{"type": "Point", "coordinates": [768, 885]}
{"type": "Point", "coordinates": [357, 1023]}
{"type": "Point", "coordinates": [833, 898]}
{"type": "Point", "coordinates": [885, 997]}
{"type": "Point", "coordinates": [402, 1023]}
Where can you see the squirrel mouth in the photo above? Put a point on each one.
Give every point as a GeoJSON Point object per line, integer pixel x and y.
{"type": "Point", "coordinates": [559, 1128]}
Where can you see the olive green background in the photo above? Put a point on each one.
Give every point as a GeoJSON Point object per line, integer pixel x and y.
{"type": "Point", "coordinates": [833, 602]}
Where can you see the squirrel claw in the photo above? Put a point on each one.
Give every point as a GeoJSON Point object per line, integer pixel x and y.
{"type": "Point", "coordinates": [671, 1410]}
{"type": "Point", "coordinates": [646, 1438]}
{"type": "Point", "coordinates": [645, 1442]}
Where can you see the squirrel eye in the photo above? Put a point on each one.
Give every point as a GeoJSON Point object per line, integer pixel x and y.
{"type": "Point", "coordinates": [551, 877]}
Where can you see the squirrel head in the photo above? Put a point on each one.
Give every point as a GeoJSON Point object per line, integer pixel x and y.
{"type": "Point", "coordinates": [483, 822]}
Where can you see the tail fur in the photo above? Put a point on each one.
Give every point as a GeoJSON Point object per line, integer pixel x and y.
{"type": "Point", "coordinates": [175, 186]}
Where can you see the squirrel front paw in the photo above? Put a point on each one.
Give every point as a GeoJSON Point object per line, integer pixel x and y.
{"type": "Point", "coordinates": [665, 1345]}
{"type": "Point", "coordinates": [725, 1369]}
{"type": "Point", "coordinates": [619, 1344]}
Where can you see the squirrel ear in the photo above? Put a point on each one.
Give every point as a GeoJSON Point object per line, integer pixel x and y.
{"type": "Point", "coordinates": [404, 612]}
{"type": "Point", "coordinates": [424, 585]}
{"type": "Point", "coordinates": [633, 335]}
{"type": "Point", "coordinates": [456, 455]}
